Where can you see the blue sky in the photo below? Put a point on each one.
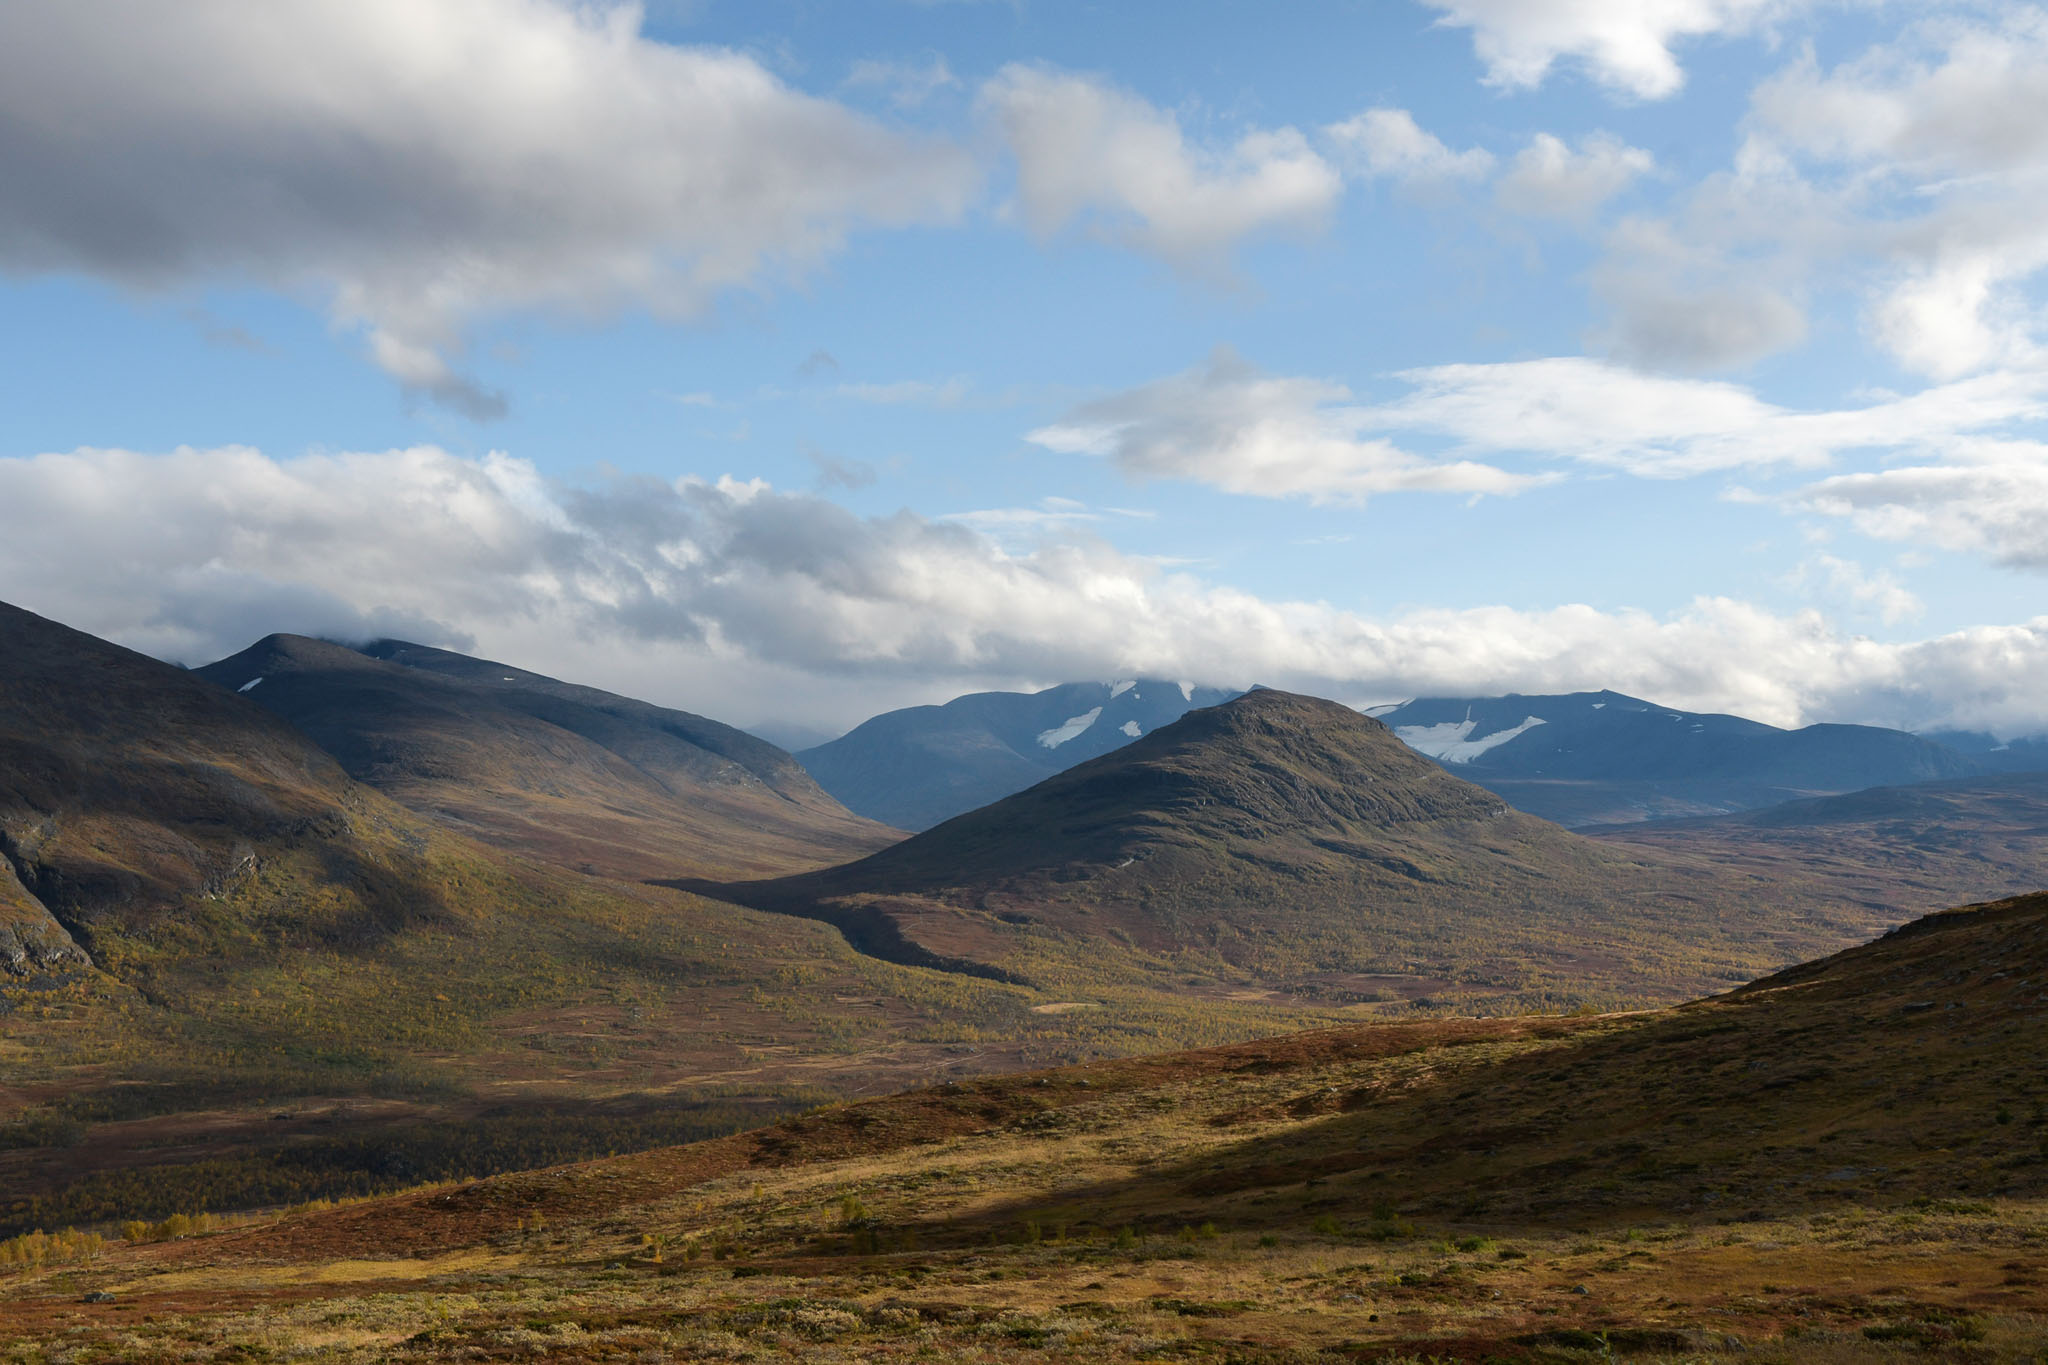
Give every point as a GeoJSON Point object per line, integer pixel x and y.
{"type": "Point", "coordinates": [788, 361]}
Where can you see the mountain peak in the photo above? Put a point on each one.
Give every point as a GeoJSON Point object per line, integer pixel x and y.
{"type": "Point", "coordinates": [1272, 839]}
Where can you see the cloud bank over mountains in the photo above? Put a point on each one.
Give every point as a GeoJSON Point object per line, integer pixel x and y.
{"type": "Point", "coordinates": [191, 555]}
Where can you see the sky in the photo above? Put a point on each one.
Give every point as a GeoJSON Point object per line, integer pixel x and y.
{"type": "Point", "coordinates": [789, 361]}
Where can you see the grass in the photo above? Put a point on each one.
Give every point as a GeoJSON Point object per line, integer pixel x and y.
{"type": "Point", "coordinates": [1717, 1182]}
{"type": "Point", "coordinates": [538, 1018]}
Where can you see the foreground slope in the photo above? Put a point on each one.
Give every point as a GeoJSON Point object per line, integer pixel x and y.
{"type": "Point", "coordinates": [581, 777]}
{"type": "Point", "coordinates": [918, 766]}
{"type": "Point", "coordinates": [1842, 1162]}
{"type": "Point", "coordinates": [1606, 758]}
{"type": "Point", "coordinates": [1288, 842]}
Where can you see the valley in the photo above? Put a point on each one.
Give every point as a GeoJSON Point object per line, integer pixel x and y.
{"type": "Point", "coordinates": [1843, 1162]}
{"type": "Point", "coordinates": [304, 945]}
{"type": "Point", "coordinates": [215, 924]}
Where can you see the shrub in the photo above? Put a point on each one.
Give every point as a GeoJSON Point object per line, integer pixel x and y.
{"type": "Point", "coordinates": [40, 1248]}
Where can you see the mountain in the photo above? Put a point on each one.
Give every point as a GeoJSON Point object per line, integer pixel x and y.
{"type": "Point", "coordinates": [577, 776]}
{"type": "Point", "coordinates": [1588, 758]}
{"type": "Point", "coordinates": [1839, 1163]}
{"type": "Point", "coordinates": [129, 790]}
{"type": "Point", "coordinates": [915, 767]}
{"type": "Point", "coordinates": [1293, 843]}
{"type": "Point", "coordinates": [232, 976]}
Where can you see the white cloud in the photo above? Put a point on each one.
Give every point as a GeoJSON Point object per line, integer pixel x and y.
{"type": "Point", "coordinates": [729, 597]}
{"type": "Point", "coordinates": [1935, 147]}
{"type": "Point", "coordinates": [1874, 591]}
{"type": "Point", "coordinates": [424, 165]}
{"type": "Point", "coordinates": [1679, 306]}
{"type": "Point", "coordinates": [1997, 507]}
{"type": "Point", "coordinates": [1625, 45]}
{"type": "Point", "coordinates": [1086, 150]}
{"type": "Point", "coordinates": [1548, 179]}
{"type": "Point", "coordinates": [1584, 410]}
{"type": "Point", "coordinates": [1948, 101]}
{"type": "Point", "coordinates": [1229, 426]}
{"type": "Point", "coordinates": [1388, 142]}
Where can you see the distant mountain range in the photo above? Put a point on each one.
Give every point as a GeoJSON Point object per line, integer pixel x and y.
{"type": "Point", "coordinates": [574, 775]}
{"type": "Point", "coordinates": [1587, 758]}
{"type": "Point", "coordinates": [1578, 759]}
{"type": "Point", "coordinates": [915, 767]}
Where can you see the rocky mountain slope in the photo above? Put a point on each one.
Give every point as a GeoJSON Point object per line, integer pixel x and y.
{"type": "Point", "coordinates": [915, 767]}
{"type": "Point", "coordinates": [131, 791]}
{"type": "Point", "coordinates": [581, 777]}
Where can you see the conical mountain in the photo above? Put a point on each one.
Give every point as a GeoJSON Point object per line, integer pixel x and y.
{"type": "Point", "coordinates": [574, 775]}
{"type": "Point", "coordinates": [1291, 843]}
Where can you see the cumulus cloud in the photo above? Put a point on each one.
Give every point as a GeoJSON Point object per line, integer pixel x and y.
{"type": "Point", "coordinates": [1227, 425]}
{"type": "Point", "coordinates": [1996, 507]}
{"type": "Point", "coordinates": [1975, 104]}
{"type": "Point", "coordinates": [703, 594]}
{"type": "Point", "coordinates": [1088, 151]}
{"type": "Point", "coordinates": [421, 166]}
{"type": "Point", "coordinates": [1389, 142]}
{"type": "Point", "coordinates": [1549, 179]}
{"type": "Point", "coordinates": [1935, 148]}
{"type": "Point", "coordinates": [1876, 592]}
{"type": "Point", "coordinates": [1676, 304]}
{"type": "Point", "coordinates": [1625, 45]}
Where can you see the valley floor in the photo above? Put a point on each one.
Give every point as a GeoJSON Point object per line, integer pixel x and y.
{"type": "Point", "coordinates": [1847, 1162]}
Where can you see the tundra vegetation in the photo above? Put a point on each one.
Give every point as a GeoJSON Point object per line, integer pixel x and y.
{"type": "Point", "coordinates": [1847, 1161]}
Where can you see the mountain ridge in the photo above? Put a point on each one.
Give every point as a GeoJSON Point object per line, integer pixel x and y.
{"type": "Point", "coordinates": [581, 777]}
{"type": "Point", "coordinates": [1587, 758]}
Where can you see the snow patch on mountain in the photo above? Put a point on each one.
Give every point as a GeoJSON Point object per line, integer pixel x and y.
{"type": "Point", "coordinates": [1187, 691]}
{"type": "Point", "coordinates": [1117, 689]}
{"type": "Point", "coordinates": [1131, 728]}
{"type": "Point", "coordinates": [1060, 734]}
{"type": "Point", "coordinates": [1452, 742]}
{"type": "Point", "coordinates": [249, 684]}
